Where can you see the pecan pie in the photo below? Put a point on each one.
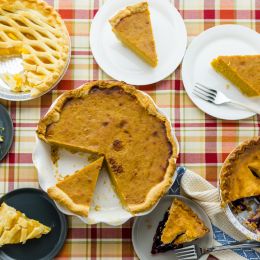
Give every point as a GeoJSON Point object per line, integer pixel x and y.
{"type": "Point", "coordinates": [180, 225]}
{"type": "Point", "coordinates": [115, 120]}
{"type": "Point", "coordinates": [240, 174]}
{"type": "Point", "coordinates": [133, 27]}
{"type": "Point", "coordinates": [16, 228]}
{"type": "Point", "coordinates": [76, 191]}
{"type": "Point", "coordinates": [243, 71]}
{"type": "Point", "coordinates": [36, 32]}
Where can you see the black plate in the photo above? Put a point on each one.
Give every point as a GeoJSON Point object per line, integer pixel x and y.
{"type": "Point", "coordinates": [37, 205]}
{"type": "Point", "coordinates": [7, 124]}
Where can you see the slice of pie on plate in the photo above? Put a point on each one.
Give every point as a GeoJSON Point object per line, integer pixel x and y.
{"type": "Point", "coordinates": [240, 173]}
{"type": "Point", "coordinates": [75, 192]}
{"type": "Point", "coordinates": [117, 121]}
{"type": "Point", "coordinates": [133, 27]}
{"type": "Point", "coordinates": [43, 39]}
{"type": "Point", "coordinates": [243, 71]}
{"type": "Point", "coordinates": [180, 225]}
{"type": "Point", "coordinates": [16, 228]}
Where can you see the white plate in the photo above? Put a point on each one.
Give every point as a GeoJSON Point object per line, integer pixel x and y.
{"type": "Point", "coordinates": [219, 40]}
{"type": "Point", "coordinates": [121, 63]}
{"type": "Point", "coordinates": [145, 227]}
{"type": "Point", "coordinates": [105, 206]}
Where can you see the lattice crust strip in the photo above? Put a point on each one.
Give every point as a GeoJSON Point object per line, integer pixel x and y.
{"type": "Point", "coordinates": [39, 29]}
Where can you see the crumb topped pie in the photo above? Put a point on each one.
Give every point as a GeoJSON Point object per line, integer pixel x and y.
{"type": "Point", "coordinates": [16, 228]}
{"type": "Point", "coordinates": [76, 190]}
{"type": "Point", "coordinates": [33, 30]}
{"type": "Point", "coordinates": [180, 225]}
{"type": "Point", "coordinates": [115, 120]}
{"type": "Point", "coordinates": [133, 27]}
{"type": "Point", "coordinates": [240, 174]}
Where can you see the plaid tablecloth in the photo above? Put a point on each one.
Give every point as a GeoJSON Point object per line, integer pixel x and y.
{"type": "Point", "coordinates": [204, 141]}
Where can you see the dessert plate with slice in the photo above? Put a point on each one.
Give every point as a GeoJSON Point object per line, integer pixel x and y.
{"type": "Point", "coordinates": [139, 42]}
{"type": "Point", "coordinates": [225, 58]}
{"type": "Point", "coordinates": [175, 222]}
{"type": "Point", "coordinates": [34, 49]}
{"type": "Point", "coordinates": [31, 226]}
{"type": "Point", "coordinates": [116, 148]}
{"type": "Point", "coordinates": [239, 186]}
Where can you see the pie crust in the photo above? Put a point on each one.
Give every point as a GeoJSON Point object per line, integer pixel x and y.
{"type": "Point", "coordinates": [39, 29]}
{"type": "Point", "coordinates": [133, 27]}
{"type": "Point", "coordinates": [239, 174]}
{"type": "Point", "coordinates": [115, 120]}
{"type": "Point", "coordinates": [16, 228]}
{"type": "Point", "coordinates": [75, 192]}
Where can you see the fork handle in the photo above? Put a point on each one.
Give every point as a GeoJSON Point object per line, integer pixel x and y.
{"type": "Point", "coordinates": [235, 245]}
{"type": "Point", "coordinates": [248, 107]}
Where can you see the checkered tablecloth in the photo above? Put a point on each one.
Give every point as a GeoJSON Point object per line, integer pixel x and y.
{"type": "Point", "coordinates": [204, 141]}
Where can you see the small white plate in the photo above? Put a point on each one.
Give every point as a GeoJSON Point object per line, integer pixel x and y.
{"type": "Point", "coordinates": [121, 63]}
{"type": "Point", "coordinates": [219, 40]}
{"type": "Point", "coordinates": [105, 206]}
{"type": "Point", "coordinates": [145, 227]}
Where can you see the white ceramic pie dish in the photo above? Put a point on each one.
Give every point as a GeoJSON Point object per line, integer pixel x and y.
{"type": "Point", "coordinates": [106, 206]}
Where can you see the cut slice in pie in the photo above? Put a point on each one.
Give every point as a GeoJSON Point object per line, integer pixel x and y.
{"type": "Point", "coordinates": [240, 176]}
{"type": "Point", "coordinates": [16, 228]}
{"type": "Point", "coordinates": [180, 225]}
{"type": "Point", "coordinates": [117, 121]}
{"type": "Point", "coordinates": [242, 71]}
{"type": "Point", "coordinates": [133, 28]}
{"type": "Point", "coordinates": [39, 29]}
{"type": "Point", "coordinates": [76, 191]}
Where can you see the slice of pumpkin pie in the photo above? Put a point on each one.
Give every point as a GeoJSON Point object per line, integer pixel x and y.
{"type": "Point", "coordinates": [75, 192]}
{"type": "Point", "coordinates": [242, 70]}
{"type": "Point", "coordinates": [133, 27]}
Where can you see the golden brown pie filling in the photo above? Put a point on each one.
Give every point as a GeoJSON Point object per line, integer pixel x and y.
{"type": "Point", "coordinates": [114, 119]}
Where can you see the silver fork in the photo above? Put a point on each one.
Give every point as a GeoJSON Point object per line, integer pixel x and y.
{"type": "Point", "coordinates": [195, 252]}
{"type": "Point", "coordinates": [217, 97]}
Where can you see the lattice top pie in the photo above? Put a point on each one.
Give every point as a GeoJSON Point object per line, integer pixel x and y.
{"type": "Point", "coordinates": [36, 31]}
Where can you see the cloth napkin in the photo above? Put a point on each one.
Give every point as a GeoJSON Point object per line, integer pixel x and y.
{"type": "Point", "coordinates": [193, 186]}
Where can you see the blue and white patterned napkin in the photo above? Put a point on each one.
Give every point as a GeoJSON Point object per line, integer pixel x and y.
{"type": "Point", "coordinates": [194, 186]}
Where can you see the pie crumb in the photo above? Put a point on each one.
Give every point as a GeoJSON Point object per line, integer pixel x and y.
{"type": "Point", "coordinates": [97, 208]}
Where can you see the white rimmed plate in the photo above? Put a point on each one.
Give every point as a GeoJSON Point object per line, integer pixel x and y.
{"type": "Point", "coordinates": [121, 63]}
{"type": "Point", "coordinates": [145, 227]}
{"type": "Point", "coordinates": [105, 206]}
{"type": "Point", "coordinates": [219, 40]}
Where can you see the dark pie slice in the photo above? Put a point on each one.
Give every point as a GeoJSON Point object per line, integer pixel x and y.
{"type": "Point", "coordinates": [179, 225]}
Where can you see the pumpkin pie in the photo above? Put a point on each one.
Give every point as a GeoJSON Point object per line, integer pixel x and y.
{"type": "Point", "coordinates": [180, 225]}
{"type": "Point", "coordinates": [16, 228]}
{"type": "Point", "coordinates": [75, 192]}
{"type": "Point", "coordinates": [36, 32]}
{"type": "Point", "coordinates": [117, 121]}
{"type": "Point", "coordinates": [243, 71]}
{"type": "Point", "coordinates": [133, 28]}
{"type": "Point", "coordinates": [240, 173]}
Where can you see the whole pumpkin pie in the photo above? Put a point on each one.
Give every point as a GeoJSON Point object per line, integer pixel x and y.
{"type": "Point", "coordinates": [240, 174]}
{"type": "Point", "coordinates": [75, 192]}
{"type": "Point", "coordinates": [242, 70]}
{"type": "Point", "coordinates": [117, 121]}
{"type": "Point", "coordinates": [16, 228]}
{"type": "Point", "coordinates": [133, 27]}
{"type": "Point", "coordinates": [180, 225]}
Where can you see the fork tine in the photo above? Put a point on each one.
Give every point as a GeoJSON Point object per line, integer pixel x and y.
{"type": "Point", "coordinates": [202, 96]}
{"type": "Point", "coordinates": [186, 253]}
{"type": "Point", "coordinates": [207, 92]}
{"type": "Point", "coordinates": [206, 88]}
